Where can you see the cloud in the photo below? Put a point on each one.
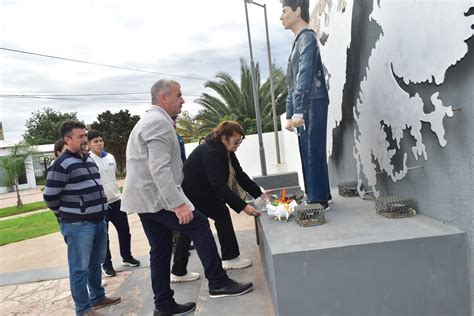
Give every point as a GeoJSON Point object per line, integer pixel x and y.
{"type": "Point", "coordinates": [187, 38]}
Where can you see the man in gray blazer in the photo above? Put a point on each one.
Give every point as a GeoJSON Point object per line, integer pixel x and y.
{"type": "Point", "coordinates": [153, 190]}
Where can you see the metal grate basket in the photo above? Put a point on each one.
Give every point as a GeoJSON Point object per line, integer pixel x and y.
{"type": "Point", "coordinates": [394, 207]}
{"type": "Point", "coordinates": [348, 189]}
{"type": "Point", "coordinates": [310, 215]}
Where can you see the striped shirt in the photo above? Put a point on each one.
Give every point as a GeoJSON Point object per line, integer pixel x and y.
{"type": "Point", "coordinates": [73, 188]}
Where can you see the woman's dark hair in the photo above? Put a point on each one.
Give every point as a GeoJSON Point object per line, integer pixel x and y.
{"type": "Point", "coordinates": [294, 4]}
{"type": "Point", "coordinates": [58, 146]}
{"type": "Point", "coordinates": [227, 129]}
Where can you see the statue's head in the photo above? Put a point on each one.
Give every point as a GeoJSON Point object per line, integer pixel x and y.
{"type": "Point", "coordinates": [302, 5]}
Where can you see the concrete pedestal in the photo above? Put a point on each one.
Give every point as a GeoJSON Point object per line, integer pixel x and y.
{"type": "Point", "coordinates": [360, 263]}
{"type": "Point", "coordinates": [278, 181]}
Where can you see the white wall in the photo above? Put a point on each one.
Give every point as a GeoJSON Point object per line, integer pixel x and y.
{"type": "Point", "coordinates": [249, 157]}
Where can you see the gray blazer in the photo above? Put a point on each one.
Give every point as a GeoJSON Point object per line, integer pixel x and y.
{"type": "Point", "coordinates": [154, 167]}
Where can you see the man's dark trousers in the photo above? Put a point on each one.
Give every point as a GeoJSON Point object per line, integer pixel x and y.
{"type": "Point", "coordinates": [181, 254]}
{"type": "Point", "coordinates": [120, 220]}
{"type": "Point", "coordinates": [158, 228]}
{"type": "Point", "coordinates": [220, 213]}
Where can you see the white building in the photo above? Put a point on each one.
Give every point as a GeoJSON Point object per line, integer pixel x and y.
{"type": "Point", "coordinates": [36, 166]}
{"type": "Point", "coordinates": [26, 182]}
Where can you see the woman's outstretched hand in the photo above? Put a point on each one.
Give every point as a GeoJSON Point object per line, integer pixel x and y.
{"type": "Point", "coordinates": [251, 211]}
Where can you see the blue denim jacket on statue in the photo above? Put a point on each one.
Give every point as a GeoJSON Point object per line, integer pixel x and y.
{"type": "Point", "coordinates": [305, 75]}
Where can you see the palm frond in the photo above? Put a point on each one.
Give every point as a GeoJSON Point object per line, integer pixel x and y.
{"type": "Point", "coordinates": [236, 102]}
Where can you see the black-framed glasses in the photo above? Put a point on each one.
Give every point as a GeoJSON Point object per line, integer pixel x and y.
{"type": "Point", "coordinates": [238, 141]}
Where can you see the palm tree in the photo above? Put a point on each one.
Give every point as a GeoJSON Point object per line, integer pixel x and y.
{"type": "Point", "coordinates": [235, 102]}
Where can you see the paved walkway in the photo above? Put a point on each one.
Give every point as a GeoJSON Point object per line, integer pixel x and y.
{"type": "Point", "coordinates": [27, 196]}
{"type": "Point", "coordinates": [33, 277]}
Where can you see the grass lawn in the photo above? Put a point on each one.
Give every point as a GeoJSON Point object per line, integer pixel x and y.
{"type": "Point", "coordinates": [27, 227]}
{"type": "Point", "coordinates": [13, 210]}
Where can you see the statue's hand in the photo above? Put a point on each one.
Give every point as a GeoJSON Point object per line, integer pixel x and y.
{"type": "Point", "coordinates": [297, 122]}
{"type": "Point", "coordinates": [289, 125]}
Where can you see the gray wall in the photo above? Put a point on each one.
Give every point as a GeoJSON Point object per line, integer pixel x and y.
{"type": "Point", "coordinates": [444, 187]}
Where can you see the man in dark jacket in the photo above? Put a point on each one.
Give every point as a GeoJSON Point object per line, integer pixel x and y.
{"type": "Point", "coordinates": [181, 243]}
{"type": "Point", "coordinates": [74, 190]}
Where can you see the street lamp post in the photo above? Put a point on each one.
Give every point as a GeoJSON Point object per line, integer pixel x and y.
{"type": "Point", "coordinates": [272, 90]}
{"type": "Point", "coordinates": [255, 100]}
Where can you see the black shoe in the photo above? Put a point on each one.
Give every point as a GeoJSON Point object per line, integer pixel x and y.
{"type": "Point", "coordinates": [132, 262]}
{"type": "Point", "coordinates": [231, 289]}
{"type": "Point", "coordinates": [325, 204]}
{"type": "Point", "coordinates": [109, 271]}
{"type": "Point", "coordinates": [177, 309]}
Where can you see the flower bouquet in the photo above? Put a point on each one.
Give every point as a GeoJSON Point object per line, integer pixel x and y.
{"type": "Point", "coordinates": [282, 208]}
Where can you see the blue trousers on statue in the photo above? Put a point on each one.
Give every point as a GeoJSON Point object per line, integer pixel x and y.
{"type": "Point", "coordinates": [312, 142]}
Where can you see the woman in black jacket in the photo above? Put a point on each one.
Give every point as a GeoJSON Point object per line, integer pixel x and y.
{"type": "Point", "coordinates": [213, 178]}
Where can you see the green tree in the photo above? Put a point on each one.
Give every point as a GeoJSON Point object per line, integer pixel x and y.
{"type": "Point", "coordinates": [15, 165]}
{"type": "Point", "coordinates": [235, 102]}
{"type": "Point", "coordinates": [43, 126]}
{"type": "Point", "coordinates": [116, 128]}
{"type": "Point", "coordinates": [188, 127]}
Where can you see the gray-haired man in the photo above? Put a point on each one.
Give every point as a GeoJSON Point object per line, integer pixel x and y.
{"type": "Point", "coordinates": [153, 190]}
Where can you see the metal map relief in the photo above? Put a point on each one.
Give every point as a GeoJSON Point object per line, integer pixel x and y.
{"type": "Point", "coordinates": [332, 22]}
{"type": "Point", "coordinates": [420, 40]}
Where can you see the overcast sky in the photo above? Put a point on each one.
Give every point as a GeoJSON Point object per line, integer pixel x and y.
{"type": "Point", "coordinates": [183, 37]}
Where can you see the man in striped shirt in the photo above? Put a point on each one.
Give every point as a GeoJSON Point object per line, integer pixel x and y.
{"type": "Point", "coordinates": [74, 190]}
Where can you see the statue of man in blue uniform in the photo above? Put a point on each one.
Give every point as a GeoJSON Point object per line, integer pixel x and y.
{"type": "Point", "coordinates": [307, 101]}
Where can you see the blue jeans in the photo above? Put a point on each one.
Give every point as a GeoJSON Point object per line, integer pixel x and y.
{"type": "Point", "coordinates": [158, 228]}
{"type": "Point", "coordinates": [86, 247]}
{"type": "Point", "coordinates": [312, 143]}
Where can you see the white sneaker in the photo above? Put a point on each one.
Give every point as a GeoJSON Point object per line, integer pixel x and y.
{"type": "Point", "coordinates": [236, 263]}
{"type": "Point", "coordinates": [190, 276]}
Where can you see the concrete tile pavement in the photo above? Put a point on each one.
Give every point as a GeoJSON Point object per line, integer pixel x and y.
{"type": "Point", "coordinates": [50, 297]}
{"type": "Point", "coordinates": [34, 275]}
{"type": "Point", "coordinates": [50, 250]}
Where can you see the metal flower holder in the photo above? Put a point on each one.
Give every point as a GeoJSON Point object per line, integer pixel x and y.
{"type": "Point", "coordinates": [309, 215]}
{"type": "Point", "coordinates": [348, 189]}
{"type": "Point", "coordinates": [394, 207]}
